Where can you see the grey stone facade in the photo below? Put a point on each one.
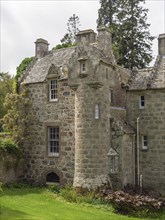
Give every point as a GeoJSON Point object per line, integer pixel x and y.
{"type": "Point", "coordinates": [91, 105]}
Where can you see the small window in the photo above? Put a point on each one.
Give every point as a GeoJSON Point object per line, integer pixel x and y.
{"type": "Point", "coordinates": [144, 142]}
{"type": "Point", "coordinates": [53, 90]}
{"type": "Point", "coordinates": [114, 164]}
{"type": "Point", "coordinates": [83, 67]}
{"type": "Point", "coordinates": [97, 111]}
{"type": "Point", "coordinates": [141, 101]}
{"type": "Point", "coordinates": [111, 96]}
{"type": "Point", "coordinates": [53, 141]}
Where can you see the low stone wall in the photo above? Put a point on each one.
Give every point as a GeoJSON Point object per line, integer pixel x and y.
{"type": "Point", "coordinates": [10, 168]}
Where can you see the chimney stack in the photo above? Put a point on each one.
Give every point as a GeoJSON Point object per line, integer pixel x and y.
{"type": "Point", "coordinates": [161, 45]}
{"type": "Point", "coordinates": [41, 48]}
{"type": "Point", "coordinates": [86, 37]}
{"type": "Point", "coordinates": [105, 42]}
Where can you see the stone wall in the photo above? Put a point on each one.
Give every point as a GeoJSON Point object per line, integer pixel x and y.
{"type": "Point", "coordinates": [151, 124]}
{"type": "Point", "coordinates": [10, 170]}
{"type": "Point", "coordinates": [43, 114]}
{"type": "Point", "coordinates": [122, 143]}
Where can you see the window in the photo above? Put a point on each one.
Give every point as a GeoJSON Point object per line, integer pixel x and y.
{"type": "Point", "coordinates": [144, 142]}
{"type": "Point", "coordinates": [82, 67]}
{"type": "Point", "coordinates": [114, 164]}
{"type": "Point", "coordinates": [97, 111]}
{"type": "Point", "coordinates": [53, 141]}
{"type": "Point", "coordinates": [141, 101]}
{"type": "Point", "coordinates": [53, 90]}
{"type": "Point", "coordinates": [111, 96]}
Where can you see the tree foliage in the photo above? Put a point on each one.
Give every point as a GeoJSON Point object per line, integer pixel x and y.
{"type": "Point", "coordinates": [22, 67]}
{"type": "Point", "coordinates": [16, 118]}
{"type": "Point", "coordinates": [6, 86]}
{"type": "Point", "coordinates": [73, 28]}
{"type": "Point", "coordinates": [69, 39]}
{"type": "Point", "coordinates": [127, 20]}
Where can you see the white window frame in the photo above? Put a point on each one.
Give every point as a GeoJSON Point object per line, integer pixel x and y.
{"type": "Point", "coordinates": [53, 90]}
{"type": "Point", "coordinates": [53, 141]}
{"type": "Point", "coordinates": [141, 101]}
{"type": "Point", "coordinates": [144, 142]}
{"type": "Point", "coordinates": [97, 111]}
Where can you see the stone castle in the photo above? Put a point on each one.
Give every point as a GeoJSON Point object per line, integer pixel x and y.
{"type": "Point", "coordinates": [94, 122]}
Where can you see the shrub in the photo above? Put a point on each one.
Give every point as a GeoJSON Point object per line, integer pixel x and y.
{"type": "Point", "coordinates": [9, 148]}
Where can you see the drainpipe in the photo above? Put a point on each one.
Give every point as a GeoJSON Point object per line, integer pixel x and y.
{"type": "Point", "coordinates": [138, 150]}
{"type": "Point", "coordinates": [134, 159]}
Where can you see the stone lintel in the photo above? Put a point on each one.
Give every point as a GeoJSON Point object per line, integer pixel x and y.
{"type": "Point", "coordinates": [74, 86]}
{"type": "Point", "coordinates": [95, 85]}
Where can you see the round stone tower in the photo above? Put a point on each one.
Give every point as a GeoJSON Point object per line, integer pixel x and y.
{"type": "Point", "coordinates": [91, 136]}
{"type": "Point", "coordinates": [92, 107]}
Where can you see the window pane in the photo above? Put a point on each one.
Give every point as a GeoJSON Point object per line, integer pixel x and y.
{"type": "Point", "coordinates": [53, 141]}
{"type": "Point", "coordinates": [53, 89]}
{"type": "Point", "coordinates": [97, 111]}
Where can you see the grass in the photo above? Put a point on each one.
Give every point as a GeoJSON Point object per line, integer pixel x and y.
{"type": "Point", "coordinates": [41, 204]}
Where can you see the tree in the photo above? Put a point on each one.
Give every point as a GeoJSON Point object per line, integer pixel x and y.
{"type": "Point", "coordinates": [127, 20]}
{"type": "Point", "coordinates": [73, 28]}
{"type": "Point", "coordinates": [6, 86]}
{"type": "Point", "coordinates": [22, 67]}
{"type": "Point", "coordinates": [16, 118]}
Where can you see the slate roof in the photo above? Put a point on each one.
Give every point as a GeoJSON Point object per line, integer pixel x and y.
{"type": "Point", "coordinates": [119, 114]}
{"type": "Point", "coordinates": [150, 78]}
{"type": "Point", "coordinates": [39, 70]}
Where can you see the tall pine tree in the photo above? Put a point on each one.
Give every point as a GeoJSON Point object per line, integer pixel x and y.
{"type": "Point", "coordinates": [127, 20]}
{"type": "Point", "coordinates": [73, 28]}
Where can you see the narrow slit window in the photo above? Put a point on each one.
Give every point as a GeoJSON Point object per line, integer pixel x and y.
{"type": "Point", "coordinates": [141, 101]}
{"type": "Point", "coordinates": [83, 67]}
{"type": "Point", "coordinates": [144, 142]}
{"type": "Point", "coordinates": [97, 111]}
{"type": "Point", "coordinates": [111, 96]}
{"type": "Point", "coordinates": [114, 164]}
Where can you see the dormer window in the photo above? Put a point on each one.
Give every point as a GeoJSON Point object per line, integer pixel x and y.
{"type": "Point", "coordinates": [83, 67]}
{"type": "Point", "coordinates": [53, 90]}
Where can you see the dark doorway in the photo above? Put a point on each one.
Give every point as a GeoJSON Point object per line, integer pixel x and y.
{"type": "Point", "coordinates": [52, 178]}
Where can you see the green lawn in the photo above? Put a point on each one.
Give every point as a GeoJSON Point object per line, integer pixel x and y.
{"type": "Point", "coordinates": [39, 204]}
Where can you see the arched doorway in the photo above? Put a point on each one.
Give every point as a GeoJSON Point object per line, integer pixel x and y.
{"type": "Point", "coordinates": [52, 178]}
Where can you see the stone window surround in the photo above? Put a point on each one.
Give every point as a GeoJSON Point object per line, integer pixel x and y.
{"type": "Point", "coordinates": [52, 124]}
{"type": "Point", "coordinates": [114, 164]}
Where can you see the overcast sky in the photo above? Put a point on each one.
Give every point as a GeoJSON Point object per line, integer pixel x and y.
{"type": "Point", "coordinates": [22, 22]}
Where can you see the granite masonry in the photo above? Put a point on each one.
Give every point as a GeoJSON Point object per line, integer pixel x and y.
{"type": "Point", "coordinates": [83, 117]}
